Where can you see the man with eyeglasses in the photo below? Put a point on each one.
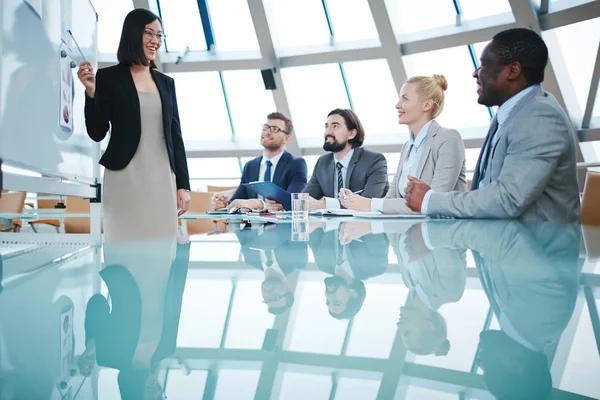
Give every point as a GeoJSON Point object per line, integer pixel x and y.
{"type": "Point", "coordinates": [275, 165]}
{"type": "Point", "coordinates": [269, 248]}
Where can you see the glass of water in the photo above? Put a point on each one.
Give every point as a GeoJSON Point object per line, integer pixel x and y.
{"type": "Point", "coordinates": [299, 205]}
{"type": "Point", "coordinates": [300, 231]}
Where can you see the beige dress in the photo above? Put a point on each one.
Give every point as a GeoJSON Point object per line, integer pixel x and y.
{"type": "Point", "coordinates": [140, 201]}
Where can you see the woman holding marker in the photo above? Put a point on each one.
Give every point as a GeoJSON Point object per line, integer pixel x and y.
{"type": "Point", "coordinates": [433, 154]}
{"type": "Point", "coordinates": [146, 180]}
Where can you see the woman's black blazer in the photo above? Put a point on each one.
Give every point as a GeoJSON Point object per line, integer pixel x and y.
{"type": "Point", "coordinates": [116, 102]}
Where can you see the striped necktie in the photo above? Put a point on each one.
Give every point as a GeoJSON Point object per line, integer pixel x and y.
{"type": "Point", "coordinates": [339, 176]}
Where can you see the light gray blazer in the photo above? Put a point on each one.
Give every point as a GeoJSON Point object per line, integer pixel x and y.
{"type": "Point", "coordinates": [367, 171]}
{"type": "Point", "coordinates": [443, 272]}
{"type": "Point", "coordinates": [532, 173]}
{"type": "Point", "coordinates": [529, 268]}
{"type": "Point", "coordinates": [442, 166]}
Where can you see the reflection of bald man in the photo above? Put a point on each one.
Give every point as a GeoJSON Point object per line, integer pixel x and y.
{"type": "Point", "coordinates": [530, 273]}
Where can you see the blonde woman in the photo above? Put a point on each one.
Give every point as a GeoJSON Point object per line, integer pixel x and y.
{"type": "Point", "coordinates": [433, 154]}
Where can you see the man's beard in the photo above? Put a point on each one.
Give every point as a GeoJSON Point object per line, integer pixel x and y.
{"type": "Point", "coordinates": [271, 147]}
{"type": "Point", "coordinates": [334, 146]}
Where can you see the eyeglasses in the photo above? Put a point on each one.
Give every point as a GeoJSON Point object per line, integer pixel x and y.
{"type": "Point", "coordinates": [272, 128]}
{"type": "Point", "coordinates": [151, 35]}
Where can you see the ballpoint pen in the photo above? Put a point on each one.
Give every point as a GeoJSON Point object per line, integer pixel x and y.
{"type": "Point", "coordinates": [357, 192]}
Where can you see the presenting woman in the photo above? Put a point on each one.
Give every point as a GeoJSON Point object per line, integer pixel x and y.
{"type": "Point", "coordinates": [146, 182]}
{"type": "Point", "coordinates": [433, 154]}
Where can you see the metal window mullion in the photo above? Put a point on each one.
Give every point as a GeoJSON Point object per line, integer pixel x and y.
{"type": "Point", "coordinates": [161, 18]}
{"type": "Point", "coordinates": [348, 94]}
{"type": "Point", "coordinates": [227, 107]}
{"type": "Point", "coordinates": [209, 35]}
{"type": "Point", "coordinates": [328, 19]}
{"type": "Point", "coordinates": [589, 107]}
{"type": "Point", "coordinates": [475, 62]}
{"type": "Point", "coordinates": [459, 13]}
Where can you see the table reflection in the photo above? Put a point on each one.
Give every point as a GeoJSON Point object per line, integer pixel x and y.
{"type": "Point", "coordinates": [138, 329]}
{"type": "Point", "coordinates": [530, 273]}
{"type": "Point", "coordinates": [387, 309]}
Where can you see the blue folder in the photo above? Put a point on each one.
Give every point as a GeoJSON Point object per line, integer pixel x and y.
{"type": "Point", "coordinates": [269, 190]}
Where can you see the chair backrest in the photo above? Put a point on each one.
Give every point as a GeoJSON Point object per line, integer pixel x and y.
{"type": "Point", "coordinates": [12, 203]}
{"type": "Point", "coordinates": [211, 188]}
{"type": "Point", "coordinates": [41, 203]}
{"type": "Point", "coordinates": [200, 203]}
{"type": "Point", "coordinates": [590, 202]}
{"type": "Point", "coordinates": [77, 205]}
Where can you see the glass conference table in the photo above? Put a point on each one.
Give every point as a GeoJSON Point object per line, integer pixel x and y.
{"type": "Point", "coordinates": [331, 309]}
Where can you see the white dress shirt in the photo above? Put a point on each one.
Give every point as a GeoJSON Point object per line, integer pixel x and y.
{"type": "Point", "coordinates": [263, 169]}
{"type": "Point", "coordinates": [502, 114]}
{"type": "Point", "coordinates": [411, 163]}
{"type": "Point", "coordinates": [263, 260]}
{"type": "Point", "coordinates": [334, 202]}
{"type": "Point", "coordinates": [263, 166]}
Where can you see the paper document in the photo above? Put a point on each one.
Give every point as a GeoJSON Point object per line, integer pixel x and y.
{"type": "Point", "coordinates": [393, 216]}
{"type": "Point", "coordinates": [343, 212]}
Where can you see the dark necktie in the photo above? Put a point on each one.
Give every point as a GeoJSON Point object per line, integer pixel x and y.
{"type": "Point", "coordinates": [269, 257]}
{"type": "Point", "coordinates": [339, 258]}
{"type": "Point", "coordinates": [267, 177]}
{"type": "Point", "coordinates": [339, 176]}
{"type": "Point", "coordinates": [486, 151]}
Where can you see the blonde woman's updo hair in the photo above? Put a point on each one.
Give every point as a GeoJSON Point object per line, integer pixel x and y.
{"type": "Point", "coordinates": [431, 87]}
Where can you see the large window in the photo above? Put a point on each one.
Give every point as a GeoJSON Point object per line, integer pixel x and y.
{"type": "Point", "coordinates": [573, 49]}
{"type": "Point", "coordinates": [202, 108]}
{"type": "Point", "coordinates": [312, 93]}
{"type": "Point", "coordinates": [461, 109]}
{"type": "Point", "coordinates": [297, 23]}
{"type": "Point", "coordinates": [249, 102]}
{"type": "Point", "coordinates": [224, 15]}
{"type": "Point", "coordinates": [408, 16]}
{"type": "Point", "coordinates": [111, 14]}
{"type": "Point", "coordinates": [374, 98]}
{"type": "Point", "coordinates": [182, 24]}
{"type": "Point", "coordinates": [473, 9]}
{"type": "Point", "coordinates": [351, 20]}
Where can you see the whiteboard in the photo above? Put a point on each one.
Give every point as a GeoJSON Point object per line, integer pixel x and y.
{"type": "Point", "coordinates": [34, 33]}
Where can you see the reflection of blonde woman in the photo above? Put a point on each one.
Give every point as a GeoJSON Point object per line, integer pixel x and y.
{"type": "Point", "coordinates": [433, 154]}
{"type": "Point", "coordinates": [423, 329]}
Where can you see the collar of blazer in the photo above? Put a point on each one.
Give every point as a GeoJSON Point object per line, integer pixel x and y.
{"type": "Point", "coordinates": [432, 132]}
{"type": "Point", "coordinates": [285, 157]}
{"type": "Point", "coordinates": [353, 161]}
{"type": "Point", "coordinates": [529, 97]}
{"type": "Point", "coordinates": [131, 90]}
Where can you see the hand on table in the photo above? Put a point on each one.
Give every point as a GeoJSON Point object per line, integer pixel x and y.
{"type": "Point", "coordinates": [415, 192]}
{"type": "Point", "coordinates": [353, 231]}
{"type": "Point", "coordinates": [273, 206]}
{"type": "Point", "coordinates": [354, 201]}
{"type": "Point", "coordinates": [218, 201]}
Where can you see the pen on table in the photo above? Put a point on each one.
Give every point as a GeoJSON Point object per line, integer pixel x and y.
{"type": "Point", "coordinates": [357, 192]}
